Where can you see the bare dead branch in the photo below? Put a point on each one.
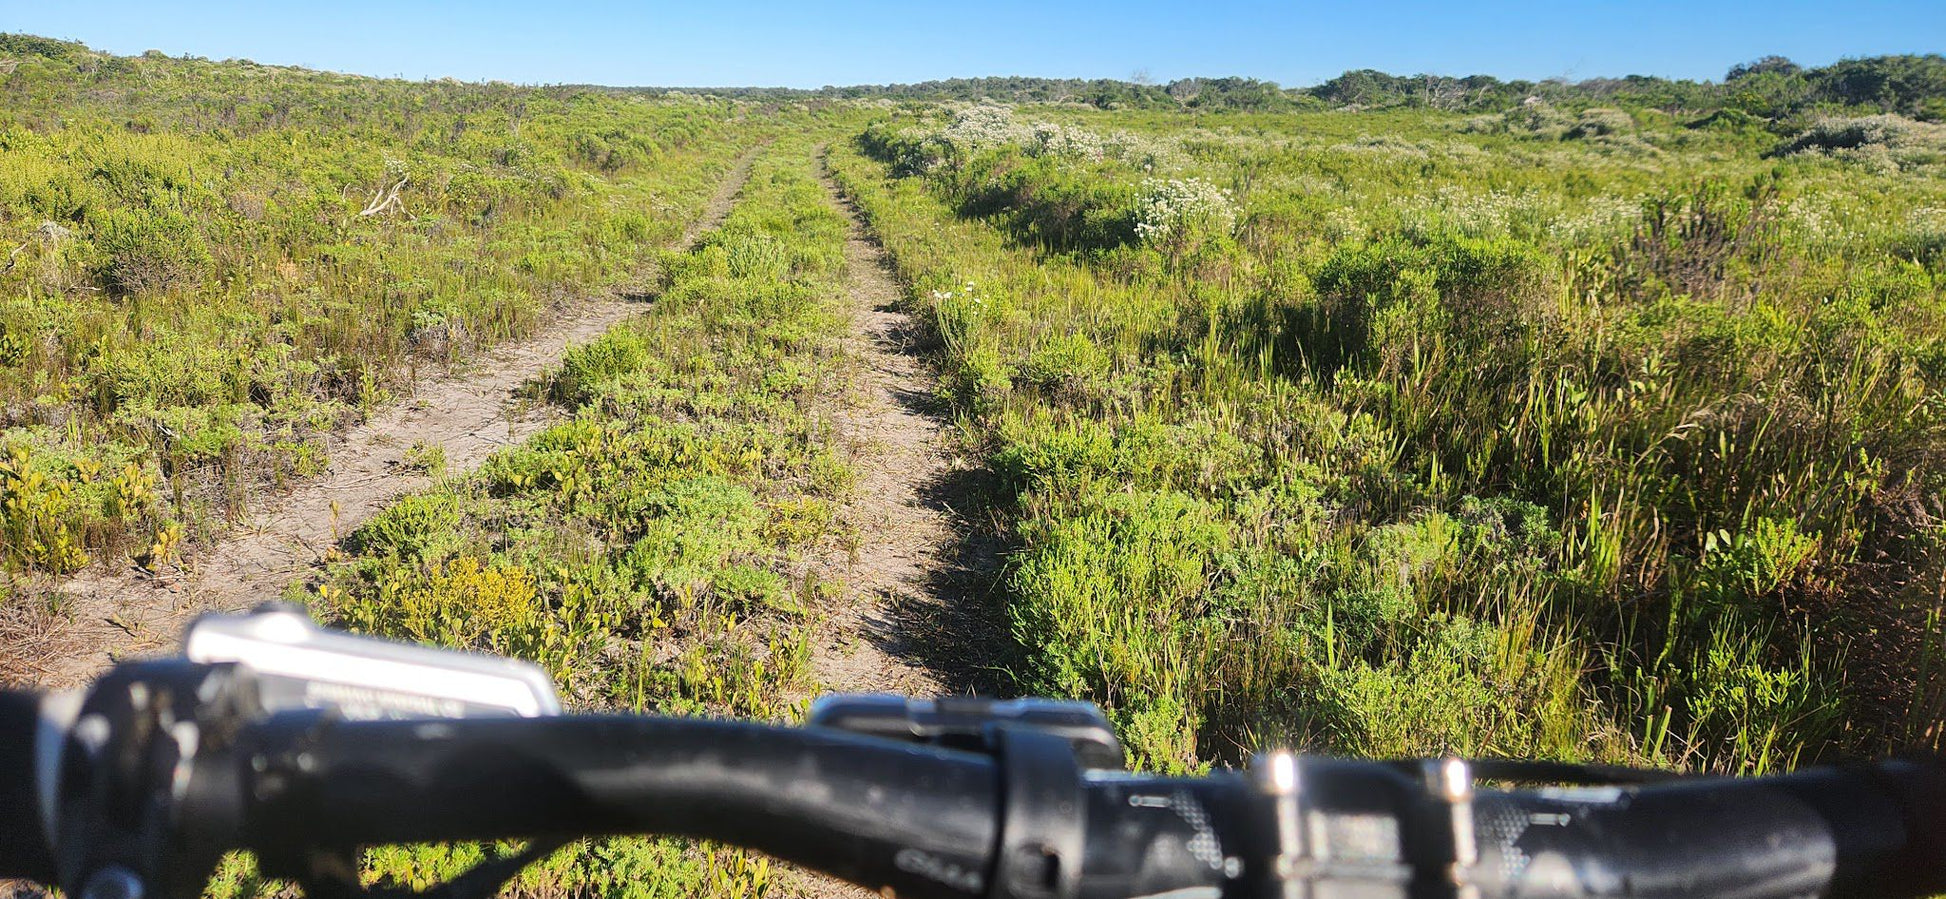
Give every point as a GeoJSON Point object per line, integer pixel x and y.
{"type": "Point", "coordinates": [14, 257]}
{"type": "Point", "coordinates": [383, 201]}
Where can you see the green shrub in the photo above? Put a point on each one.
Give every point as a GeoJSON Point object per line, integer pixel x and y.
{"type": "Point", "coordinates": [150, 252]}
{"type": "Point", "coordinates": [691, 529]}
{"type": "Point", "coordinates": [585, 369]}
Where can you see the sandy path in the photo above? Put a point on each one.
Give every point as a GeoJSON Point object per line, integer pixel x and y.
{"type": "Point", "coordinates": [885, 633]}
{"type": "Point", "coordinates": [113, 614]}
{"type": "Point", "coordinates": [912, 619]}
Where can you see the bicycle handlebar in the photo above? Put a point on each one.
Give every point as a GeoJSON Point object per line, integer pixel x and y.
{"type": "Point", "coordinates": [166, 768]}
{"type": "Point", "coordinates": [849, 805]}
{"type": "Point", "coordinates": [932, 822]}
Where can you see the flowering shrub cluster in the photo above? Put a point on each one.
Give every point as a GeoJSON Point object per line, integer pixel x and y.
{"type": "Point", "coordinates": [1834, 133]}
{"type": "Point", "coordinates": [983, 127]}
{"type": "Point", "coordinates": [1174, 213]}
{"type": "Point", "coordinates": [1817, 222]}
{"type": "Point", "coordinates": [1926, 233]}
{"type": "Point", "coordinates": [990, 126]}
{"type": "Point", "coordinates": [1146, 153]}
{"type": "Point", "coordinates": [1885, 143]}
{"type": "Point", "coordinates": [987, 126]}
{"type": "Point", "coordinates": [1067, 141]}
{"type": "Point", "coordinates": [1529, 215]}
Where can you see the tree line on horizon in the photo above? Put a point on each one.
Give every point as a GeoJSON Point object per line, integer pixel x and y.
{"type": "Point", "coordinates": [1772, 87]}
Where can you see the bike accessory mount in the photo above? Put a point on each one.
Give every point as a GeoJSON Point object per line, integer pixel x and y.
{"type": "Point", "coordinates": [971, 725]}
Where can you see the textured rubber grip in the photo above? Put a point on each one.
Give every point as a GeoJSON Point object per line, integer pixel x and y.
{"type": "Point", "coordinates": [1876, 831]}
{"type": "Point", "coordinates": [24, 851]}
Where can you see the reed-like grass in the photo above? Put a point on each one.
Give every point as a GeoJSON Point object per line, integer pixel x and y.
{"type": "Point", "coordinates": [1458, 441]}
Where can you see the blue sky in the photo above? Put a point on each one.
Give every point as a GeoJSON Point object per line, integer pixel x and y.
{"type": "Point", "coordinates": [810, 43]}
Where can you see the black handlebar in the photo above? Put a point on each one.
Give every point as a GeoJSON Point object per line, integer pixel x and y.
{"type": "Point", "coordinates": [936, 822]}
{"type": "Point", "coordinates": [851, 806]}
{"type": "Point", "coordinates": [182, 778]}
{"type": "Point", "coordinates": [1825, 832]}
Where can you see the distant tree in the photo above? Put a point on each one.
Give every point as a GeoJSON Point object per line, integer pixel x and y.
{"type": "Point", "coordinates": [1241, 94]}
{"type": "Point", "coordinates": [1440, 92]}
{"type": "Point", "coordinates": [1902, 84]}
{"type": "Point", "coordinates": [1768, 65]}
{"type": "Point", "coordinates": [1772, 87]}
{"type": "Point", "coordinates": [31, 45]}
{"type": "Point", "coordinates": [1363, 87]}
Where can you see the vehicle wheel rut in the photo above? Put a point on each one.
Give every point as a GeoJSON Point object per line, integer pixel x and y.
{"type": "Point", "coordinates": [894, 629]}
{"type": "Point", "coordinates": [109, 614]}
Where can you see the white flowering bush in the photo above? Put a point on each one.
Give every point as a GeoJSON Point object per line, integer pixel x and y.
{"type": "Point", "coordinates": [1815, 222]}
{"type": "Point", "coordinates": [1926, 233]}
{"type": "Point", "coordinates": [1832, 133]}
{"type": "Point", "coordinates": [983, 127]}
{"type": "Point", "coordinates": [917, 150]}
{"type": "Point", "coordinates": [975, 128]}
{"type": "Point", "coordinates": [1177, 214]}
{"type": "Point", "coordinates": [1065, 141]}
{"type": "Point", "coordinates": [1145, 153]}
{"type": "Point", "coordinates": [1599, 217]}
{"type": "Point", "coordinates": [1386, 147]}
{"type": "Point", "coordinates": [1526, 215]}
{"type": "Point", "coordinates": [1929, 221]}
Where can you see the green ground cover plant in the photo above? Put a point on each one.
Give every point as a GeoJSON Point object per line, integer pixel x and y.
{"type": "Point", "coordinates": [208, 267]}
{"type": "Point", "coordinates": [1406, 433]}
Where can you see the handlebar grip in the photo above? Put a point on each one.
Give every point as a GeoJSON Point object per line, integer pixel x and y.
{"type": "Point", "coordinates": [1888, 824]}
{"type": "Point", "coordinates": [25, 850]}
{"type": "Point", "coordinates": [1835, 832]}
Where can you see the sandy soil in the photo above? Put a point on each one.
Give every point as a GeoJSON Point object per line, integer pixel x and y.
{"type": "Point", "coordinates": [912, 620]}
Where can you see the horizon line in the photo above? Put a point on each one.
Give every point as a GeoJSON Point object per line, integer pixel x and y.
{"type": "Point", "coordinates": [1127, 80]}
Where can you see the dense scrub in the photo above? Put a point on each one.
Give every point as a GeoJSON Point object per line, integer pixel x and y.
{"type": "Point", "coordinates": [1401, 435]}
{"type": "Point", "coordinates": [210, 266]}
{"type": "Point", "coordinates": [652, 550]}
{"type": "Point", "coordinates": [1771, 87]}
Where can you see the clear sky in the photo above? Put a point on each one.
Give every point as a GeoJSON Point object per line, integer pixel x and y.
{"type": "Point", "coordinates": [817, 42]}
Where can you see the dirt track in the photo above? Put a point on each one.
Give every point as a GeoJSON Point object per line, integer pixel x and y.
{"type": "Point", "coordinates": [116, 613]}
{"type": "Point", "coordinates": [901, 626]}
